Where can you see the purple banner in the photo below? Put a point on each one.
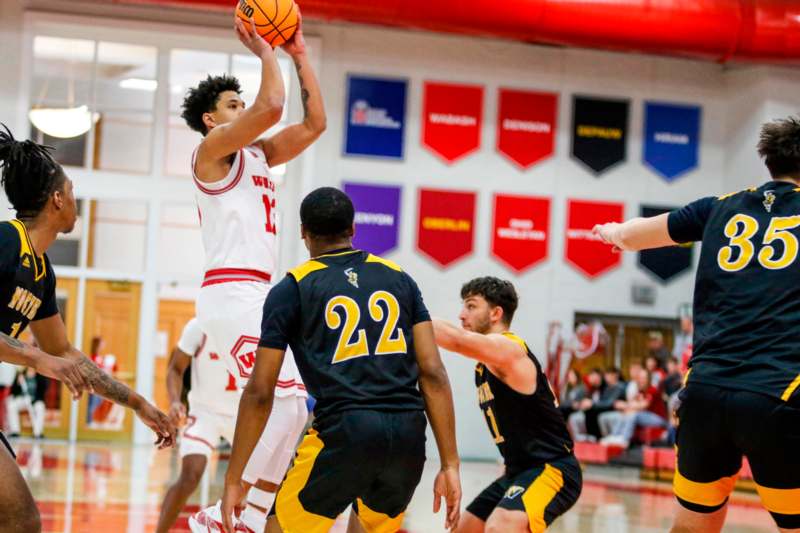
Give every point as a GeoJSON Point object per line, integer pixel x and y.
{"type": "Point", "coordinates": [377, 216]}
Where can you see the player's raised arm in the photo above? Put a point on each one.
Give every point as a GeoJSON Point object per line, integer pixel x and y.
{"type": "Point", "coordinates": [492, 349]}
{"type": "Point", "coordinates": [292, 140]}
{"type": "Point", "coordinates": [51, 335]}
{"type": "Point", "coordinates": [636, 234]}
{"type": "Point", "coordinates": [435, 387]}
{"type": "Point", "coordinates": [225, 139]}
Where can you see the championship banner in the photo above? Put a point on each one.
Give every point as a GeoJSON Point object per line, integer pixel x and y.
{"type": "Point", "coordinates": [526, 125]}
{"type": "Point", "coordinates": [585, 251]}
{"type": "Point", "coordinates": [451, 119]}
{"type": "Point", "coordinates": [671, 138]}
{"type": "Point", "coordinates": [670, 261]}
{"type": "Point", "coordinates": [599, 132]}
{"type": "Point", "coordinates": [376, 114]}
{"type": "Point", "coordinates": [446, 224]}
{"type": "Point", "coordinates": [520, 230]}
{"type": "Point", "coordinates": [377, 216]}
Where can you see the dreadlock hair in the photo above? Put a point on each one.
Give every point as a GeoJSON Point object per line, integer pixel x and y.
{"type": "Point", "coordinates": [30, 175]}
{"type": "Point", "coordinates": [779, 145]}
{"type": "Point", "coordinates": [204, 98]}
{"type": "Point", "coordinates": [327, 213]}
{"type": "Point", "coordinates": [496, 291]}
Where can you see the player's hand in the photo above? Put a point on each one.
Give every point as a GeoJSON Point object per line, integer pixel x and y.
{"type": "Point", "coordinates": [177, 414]}
{"type": "Point", "coordinates": [232, 498]}
{"type": "Point", "coordinates": [607, 232]}
{"type": "Point", "coordinates": [250, 38]}
{"type": "Point", "coordinates": [297, 44]}
{"type": "Point", "coordinates": [67, 371]}
{"type": "Point", "coordinates": [448, 486]}
{"type": "Point", "coordinates": [160, 424]}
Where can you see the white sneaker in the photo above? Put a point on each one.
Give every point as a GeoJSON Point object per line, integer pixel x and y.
{"type": "Point", "coordinates": [209, 520]}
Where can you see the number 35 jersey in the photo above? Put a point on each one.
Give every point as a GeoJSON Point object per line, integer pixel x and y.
{"type": "Point", "coordinates": [237, 219]}
{"type": "Point", "coordinates": [348, 317]}
{"type": "Point", "coordinates": [747, 289]}
{"type": "Point", "coordinates": [528, 429]}
{"type": "Point", "coordinates": [27, 281]}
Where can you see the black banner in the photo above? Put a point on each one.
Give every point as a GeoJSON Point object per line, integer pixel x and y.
{"type": "Point", "coordinates": [665, 263]}
{"type": "Point", "coordinates": [599, 132]}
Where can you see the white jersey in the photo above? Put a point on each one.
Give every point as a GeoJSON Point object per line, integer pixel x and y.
{"type": "Point", "coordinates": [213, 388]}
{"type": "Point", "coordinates": [237, 220]}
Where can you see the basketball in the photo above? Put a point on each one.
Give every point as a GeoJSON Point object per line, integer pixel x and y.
{"type": "Point", "coordinates": [275, 20]}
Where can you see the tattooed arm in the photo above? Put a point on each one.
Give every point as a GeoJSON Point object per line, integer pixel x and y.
{"type": "Point", "coordinates": [51, 335]}
{"type": "Point", "coordinates": [292, 140]}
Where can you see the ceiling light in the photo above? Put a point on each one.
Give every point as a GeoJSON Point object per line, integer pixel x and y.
{"type": "Point", "coordinates": [139, 84]}
{"type": "Point", "coordinates": [63, 123]}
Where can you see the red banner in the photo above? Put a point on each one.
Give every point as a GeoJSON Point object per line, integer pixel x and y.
{"type": "Point", "coordinates": [446, 224]}
{"type": "Point", "coordinates": [585, 251]}
{"type": "Point", "coordinates": [521, 230]}
{"type": "Point", "coordinates": [526, 125]}
{"type": "Point", "coordinates": [451, 119]}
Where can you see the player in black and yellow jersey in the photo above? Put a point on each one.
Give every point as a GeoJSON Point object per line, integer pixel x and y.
{"type": "Point", "coordinates": [741, 397]}
{"type": "Point", "coordinates": [364, 345]}
{"type": "Point", "coordinates": [542, 478]}
{"type": "Point", "coordinates": [42, 196]}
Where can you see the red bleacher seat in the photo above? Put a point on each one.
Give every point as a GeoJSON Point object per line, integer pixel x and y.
{"type": "Point", "coordinates": [593, 452]}
{"type": "Point", "coordinates": [649, 435]}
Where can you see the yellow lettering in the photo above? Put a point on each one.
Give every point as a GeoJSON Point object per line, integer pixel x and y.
{"type": "Point", "coordinates": [25, 303]}
{"type": "Point", "coordinates": [18, 294]}
{"type": "Point", "coordinates": [446, 224]}
{"type": "Point", "coordinates": [599, 132]}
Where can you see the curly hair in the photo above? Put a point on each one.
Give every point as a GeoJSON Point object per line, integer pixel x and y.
{"type": "Point", "coordinates": [496, 291]}
{"type": "Point", "coordinates": [327, 213]}
{"type": "Point", "coordinates": [30, 175]}
{"type": "Point", "coordinates": [779, 145]}
{"type": "Point", "coordinates": [204, 98]}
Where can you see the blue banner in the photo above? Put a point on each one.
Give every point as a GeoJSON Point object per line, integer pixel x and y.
{"type": "Point", "coordinates": [671, 138]}
{"type": "Point", "coordinates": [376, 115]}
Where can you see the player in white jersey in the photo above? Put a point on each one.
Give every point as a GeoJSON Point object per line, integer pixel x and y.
{"type": "Point", "coordinates": [236, 199]}
{"type": "Point", "coordinates": [213, 403]}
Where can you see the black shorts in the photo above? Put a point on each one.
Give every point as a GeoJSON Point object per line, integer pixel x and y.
{"type": "Point", "coordinates": [372, 460]}
{"type": "Point", "coordinates": [543, 493]}
{"type": "Point", "coordinates": [717, 426]}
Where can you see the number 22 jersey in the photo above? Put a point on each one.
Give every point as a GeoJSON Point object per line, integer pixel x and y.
{"type": "Point", "coordinates": [747, 289]}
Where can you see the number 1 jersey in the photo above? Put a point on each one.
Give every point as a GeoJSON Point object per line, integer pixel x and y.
{"type": "Point", "coordinates": [237, 219]}
{"type": "Point", "coordinates": [747, 295]}
{"type": "Point", "coordinates": [348, 317]}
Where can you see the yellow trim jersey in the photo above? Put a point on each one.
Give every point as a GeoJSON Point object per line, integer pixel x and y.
{"type": "Point", "coordinates": [528, 429]}
{"type": "Point", "coordinates": [27, 281]}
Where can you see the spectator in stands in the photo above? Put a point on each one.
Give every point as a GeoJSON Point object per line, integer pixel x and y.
{"type": "Point", "coordinates": [608, 409]}
{"type": "Point", "coordinates": [25, 394]}
{"type": "Point", "coordinates": [577, 420]}
{"type": "Point", "coordinates": [585, 423]}
{"type": "Point", "coordinates": [684, 338]}
{"type": "Point", "coordinates": [646, 410]}
{"type": "Point", "coordinates": [673, 381]}
{"type": "Point", "coordinates": [632, 389]}
{"type": "Point", "coordinates": [656, 347]}
{"type": "Point", "coordinates": [653, 365]}
{"type": "Point", "coordinates": [573, 392]}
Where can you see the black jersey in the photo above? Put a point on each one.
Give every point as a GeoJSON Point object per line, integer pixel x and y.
{"type": "Point", "coordinates": [27, 281]}
{"type": "Point", "coordinates": [528, 429]}
{"type": "Point", "coordinates": [747, 296]}
{"type": "Point", "coordinates": [348, 317]}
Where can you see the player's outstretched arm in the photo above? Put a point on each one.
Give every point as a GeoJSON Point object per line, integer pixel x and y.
{"type": "Point", "coordinates": [292, 140]}
{"type": "Point", "coordinates": [636, 234]}
{"type": "Point", "coordinates": [493, 349]}
{"type": "Point", "coordinates": [178, 363]}
{"type": "Point", "coordinates": [435, 387]}
{"type": "Point", "coordinates": [68, 372]}
{"type": "Point", "coordinates": [265, 111]}
{"type": "Point", "coordinates": [51, 335]}
{"type": "Point", "coordinates": [255, 407]}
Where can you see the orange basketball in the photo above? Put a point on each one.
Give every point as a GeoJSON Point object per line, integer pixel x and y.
{"type": "Point", "coordinates": [276, 20]}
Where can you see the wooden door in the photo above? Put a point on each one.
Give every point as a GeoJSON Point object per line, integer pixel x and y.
{"type": "Point", "coordinates": [172, 317]}
{"type": "Point", "coordinates": [112, 314]}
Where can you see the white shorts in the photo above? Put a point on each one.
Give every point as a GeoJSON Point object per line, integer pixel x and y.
{"type": "Point", "coordinates": [230, 314]}
{"type": "Point", "coordinates": [275, 448]}
{"type": "Point", "coordinates": [203, 431]}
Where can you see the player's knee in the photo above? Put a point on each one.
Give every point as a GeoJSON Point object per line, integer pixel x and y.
{"type": "Point", "coordinates": [192, 472]}
{"type": "Point", "coordinates": [505, 521]}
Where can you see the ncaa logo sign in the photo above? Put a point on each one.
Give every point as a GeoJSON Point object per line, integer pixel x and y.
{"type": "Point", "coordinates": [244, 353]}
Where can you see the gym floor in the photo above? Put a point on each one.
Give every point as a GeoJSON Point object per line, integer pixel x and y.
{"type": "Point", "coordinates": [118, 488]}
